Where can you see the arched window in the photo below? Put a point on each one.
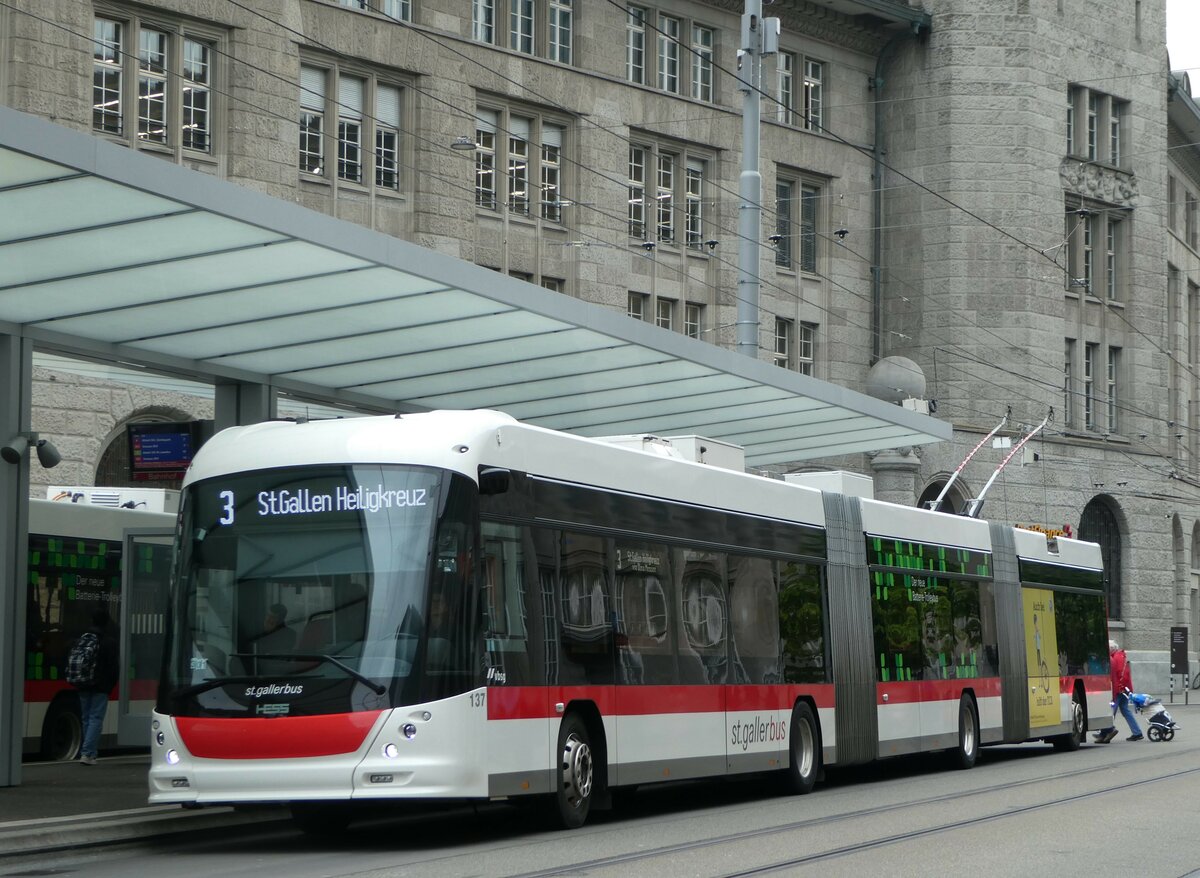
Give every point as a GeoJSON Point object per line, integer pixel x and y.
{"type": "Point", "coordinates": [1098, 524]}
{"type": "Point", "coordinates": [954, 502]}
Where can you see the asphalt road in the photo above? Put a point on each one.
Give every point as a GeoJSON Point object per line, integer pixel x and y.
{"type": "Point", "coordinates": [1124, 808]}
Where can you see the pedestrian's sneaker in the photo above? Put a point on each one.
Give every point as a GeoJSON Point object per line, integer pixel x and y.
{"type": "Point", "coordinates": [1107, 736]}
{"type": "Point", "coordinates": [1137, 737]}
{"type": "Point", "coordinates": [87, 760]}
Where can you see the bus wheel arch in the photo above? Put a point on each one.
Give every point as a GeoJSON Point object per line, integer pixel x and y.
{"type": "Point", "coordinates": [967, 751]}
{"type": "Point", "coordinates": [1072, 740]}
{"type": "Point", "coordinates": [580, 760]}
{"type": "Point", "coordinates": [62, 729]}
{"type": "Point", "coordinates": [804, 749]}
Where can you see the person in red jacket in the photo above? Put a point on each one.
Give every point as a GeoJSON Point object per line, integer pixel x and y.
{"type": "Point", "coordinates": [1122, 685]}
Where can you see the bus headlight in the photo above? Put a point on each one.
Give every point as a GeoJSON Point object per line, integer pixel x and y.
{"type": "Point", "coordinates": [391, 751]}
{"type": "Point", "coordinates": [160, 738]}
{"type": "Point", "coordinates": [410, 731]}
{"type": "Point", "coordinates": [172, 757]}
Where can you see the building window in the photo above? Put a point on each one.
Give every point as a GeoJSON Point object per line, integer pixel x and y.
{"type": "Point", "coordinates": [693, 319]}
{"type": "Point", "coordinates": [672, 193]}
{"type": "Point", "coordinates": [1114, 362]}
{"type": "Point", "coordinates": [806, 347]}
{"type": "Point", "coordinates": [784, 195]}
{"type": "Point", "coordinates": [635, 45]}
{"type": "Point", "coordinates": [167, 81]}
{"type": "Point", "coordinates": [636, 307]}
{"type": "Point", "coordinates": [790, 238]}
{"type": "Point", "coordinates": [362, 114]}
{"type": "Point", "coordinates": [814, 77]}
{"type": "Point", "coordinates": [1189, 222]}
{"type": "Point", "coordinates": [1071, 121]}
{"type": "Point", "coordinates": [702, 63]}
{"type": "Point", "coordinates": [1069, 383]}
{"type": "Point", "coordinates": [1104, 137]}
{"type": "Point", "coordinates": [785, 339]}
{"type": "Point", "coordinates": [401, 10]}
{"type": "Point", "coordinates": [1097, 244]}
{"type": "Point", "coordinates": [1089, 386]}
{"type": "Point", "coordinates": [1172, 203]}
{"type": "Point", "coordinates": [531, 27]}
{"type": "Point", "coordinates": [664, 313]}
{"type": "Point", "coordinates": [483, 20]}
{"type": "Point", "coordinates": [529, 148]}
{"type": "Point", "coordinates": [350, 128]}
{"type": "Point", "coordinates": [312, 120]}
{"type": "Point", "coordinates": [668, 53]}
{"type": "Point", "coordinates": [809, 111]}
{"type": "Point", "coordinates": [554, 284]}
{"type": "Point", "coordinates": [785, 66]}
{"type": "Point", "coordinates": [1099, 525]}
{"type": "Point", "coordinates": [664, 69]}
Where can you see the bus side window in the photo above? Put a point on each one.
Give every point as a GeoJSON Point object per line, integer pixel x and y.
{"type": "Point", "coordinates": [506, 604]}
{"type": "Point", "coordinates": [754, 612]}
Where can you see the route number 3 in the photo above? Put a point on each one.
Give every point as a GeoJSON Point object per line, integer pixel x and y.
{"type": "Point", "coordinates": [226, 508]}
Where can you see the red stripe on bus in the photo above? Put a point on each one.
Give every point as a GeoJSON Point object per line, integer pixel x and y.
{"type": "Point", "coordinates": [45, 690]}
{"type": "Point", "coordinates": [535, 702]}
{"type": "Point", "coordinates": [275, 738]}
{"type": "Point", "coordinates": [935, 690]}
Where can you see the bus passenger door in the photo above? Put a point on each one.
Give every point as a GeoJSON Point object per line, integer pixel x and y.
{"type": "Point", "coordinates": [145, 575]}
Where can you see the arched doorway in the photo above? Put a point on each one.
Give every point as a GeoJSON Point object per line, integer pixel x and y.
{"type": "Point", "coordinates": [1098, 524]}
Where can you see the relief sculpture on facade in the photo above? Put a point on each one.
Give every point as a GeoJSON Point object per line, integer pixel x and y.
{"type": "Point", "coordinates": [1097, 182]}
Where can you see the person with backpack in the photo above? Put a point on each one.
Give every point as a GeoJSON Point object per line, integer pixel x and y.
{"type": "Point", "coordinates": [93, 667]}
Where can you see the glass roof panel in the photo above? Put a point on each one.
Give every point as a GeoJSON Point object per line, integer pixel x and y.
{"type": "Point", "coordinates": [74, 203]}
{"type": "Point", "coordinates": [127, 245]}
{"type": "Point", "coordinates": [648, 392]}
{"type": "Point", "coordinates": [218, 310]}
{"type": "Point", "coordinates": [183, 277]}
{"type": "Point", "coordinates": [512, 365]}
{"type": "Point", "coordinates": [20, 169]}
{"type": "Point", "coordinates": [563, 388]}
{"type": "Point", "coordinates": [688, 412]}
{"type": "Point", "coordinates": [434, 362]}
{"type": "Point", "coordinates": [383, 346]}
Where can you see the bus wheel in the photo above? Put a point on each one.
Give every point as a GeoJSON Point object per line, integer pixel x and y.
{"type": "Point", "coordinates": [576, 773]}
{"type": "Point", "coordinates": [968, 734]}
{"type": "Point", "coordinates": [62, 730]}
{"type": "Point", "coordinates": [1072, 739]}
{"type": "Point", "coordinates": [805, 761]}
{"type": "Point", "coordinates": [322, 819]}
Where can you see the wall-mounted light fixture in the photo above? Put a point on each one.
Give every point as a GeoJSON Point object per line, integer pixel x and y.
{"type": "Point", "coordinates": [15, 449]}
{"type": "Point", "coordinates": [463, 142]}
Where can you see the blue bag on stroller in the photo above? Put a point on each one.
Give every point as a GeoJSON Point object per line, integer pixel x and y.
{"type": "Point", "coordinates": [1161, 726]}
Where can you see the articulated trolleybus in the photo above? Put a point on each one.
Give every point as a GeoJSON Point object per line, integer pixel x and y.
{"type": "Point", "coordinates": [456, 605]}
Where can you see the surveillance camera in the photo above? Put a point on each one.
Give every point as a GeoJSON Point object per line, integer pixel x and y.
{"type": "Point", "coordinates": [711, 243]}
{"type": "Point", "coordinates": [775, 239]}
{"type": "Point", "coordinates": [648, 245]}
{"type": "Point", "coordinates": [841, 233]}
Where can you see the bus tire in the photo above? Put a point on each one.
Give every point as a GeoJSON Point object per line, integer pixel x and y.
{"type": "Point", "coordinates": [62, 729]}
{"type": "Point", "coordinates": [1070, 742]}
{"type": "Point", "coordinates": [968, 734]}
{"type": "Point", "coordinates": [576, 773]}
{"type": "Point", "coordinates": [321, 819]}
{"type": "Point", "coordinates": [804, 751]}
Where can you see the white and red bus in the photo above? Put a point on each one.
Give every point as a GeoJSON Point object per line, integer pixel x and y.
{"type": "Point", "coordinates": [476, 608]}
{"type": "Point", "coordinates": [84, 556]}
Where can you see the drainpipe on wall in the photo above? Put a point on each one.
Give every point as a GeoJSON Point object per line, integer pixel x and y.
{"type": "Point", "coordinates": [876, 85]}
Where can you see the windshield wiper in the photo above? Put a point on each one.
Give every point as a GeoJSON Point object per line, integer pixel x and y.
{"type": "Point", "coordinates": [377, 688]}
{"type": "Point", "coordinates": [214, 682]}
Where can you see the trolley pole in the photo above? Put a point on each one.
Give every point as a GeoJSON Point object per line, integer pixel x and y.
{"type": "Point", "coordinates": [759, 37]}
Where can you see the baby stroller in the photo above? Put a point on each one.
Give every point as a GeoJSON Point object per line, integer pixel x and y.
{"type": "Point", "coordinates": [1161, 726]}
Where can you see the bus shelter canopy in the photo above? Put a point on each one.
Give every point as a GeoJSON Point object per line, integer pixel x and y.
{"type": "Point", "coordinates": [122, 257]}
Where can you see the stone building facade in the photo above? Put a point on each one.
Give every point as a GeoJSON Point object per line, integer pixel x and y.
{"type": "Point", "coordinates": [1000, 191]}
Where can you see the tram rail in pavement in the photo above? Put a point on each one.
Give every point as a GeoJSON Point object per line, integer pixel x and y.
{"type": "Point", "coordinates": [64, 805]}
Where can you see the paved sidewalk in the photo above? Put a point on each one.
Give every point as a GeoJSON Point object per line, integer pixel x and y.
{"type": "Point", "coordinates": [62, 805]}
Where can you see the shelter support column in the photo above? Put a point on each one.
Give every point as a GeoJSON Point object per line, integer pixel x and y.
{"type": "Point", "coordinates": [896, 475]}
{"type": "Point", "coordinates": [242, 402]}
{"type": "Point", "coordinates": [16, 369]}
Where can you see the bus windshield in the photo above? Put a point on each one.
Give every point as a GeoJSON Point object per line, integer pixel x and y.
{"type": "Point", "coordinates": [324, 589]}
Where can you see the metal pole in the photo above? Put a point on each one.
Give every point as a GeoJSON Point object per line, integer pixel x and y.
{"type": "Point", "coordinates": [759, 37]}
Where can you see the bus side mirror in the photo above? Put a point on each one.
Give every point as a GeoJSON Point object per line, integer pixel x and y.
{"type": "Point", "coordinates": [493, 480]}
